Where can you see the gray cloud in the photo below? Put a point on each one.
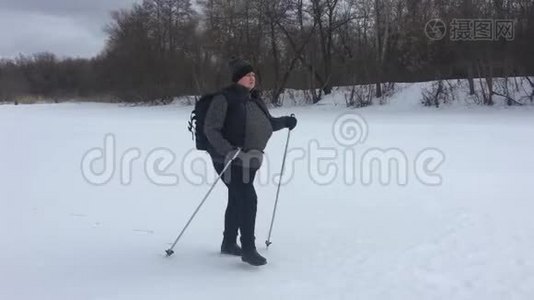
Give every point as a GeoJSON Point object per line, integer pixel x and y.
{"type": "Point", "coordinates": [64, 27]}
{"type": "Point", "coordinates": [64, 7]}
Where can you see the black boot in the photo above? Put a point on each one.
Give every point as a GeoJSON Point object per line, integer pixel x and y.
{"type": "Point", "coordinates": [231, 248]}
{"type": "Point", "coordinates": [253, 257]}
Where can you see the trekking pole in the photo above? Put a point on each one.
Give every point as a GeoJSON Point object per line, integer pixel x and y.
{"type": "Point", "coordinates": [268, 241]}
{"type": "Point", "coordinates": [170, 250]}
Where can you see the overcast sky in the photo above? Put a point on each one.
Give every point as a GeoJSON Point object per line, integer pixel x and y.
{"type": "Point", "coordinates": [65, 27]}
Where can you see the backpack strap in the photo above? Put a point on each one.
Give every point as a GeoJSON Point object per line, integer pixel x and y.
{"type": "Point", "coordinates": [190, 126]}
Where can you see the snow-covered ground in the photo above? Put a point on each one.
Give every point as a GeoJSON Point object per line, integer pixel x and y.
{"type": "Point", "coordinates": [469, 235]}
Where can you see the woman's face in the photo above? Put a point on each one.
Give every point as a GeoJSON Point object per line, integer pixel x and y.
{"type": "Point", "coordinates": [248, 81]}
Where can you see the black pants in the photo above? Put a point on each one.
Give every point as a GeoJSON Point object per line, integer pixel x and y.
{"type": "Point", "coordinates": [242, 204]}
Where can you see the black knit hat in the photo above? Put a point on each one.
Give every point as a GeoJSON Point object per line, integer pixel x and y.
{"type": "Point", "coordinates": [239, 68]}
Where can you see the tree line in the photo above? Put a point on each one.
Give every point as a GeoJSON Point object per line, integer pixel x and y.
{"type": "Point", "coordinates": [161, 49]}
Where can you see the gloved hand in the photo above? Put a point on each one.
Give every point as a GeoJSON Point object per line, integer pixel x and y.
{"type": "Point", "coordinates": [291, 122]}
{"type": "Point", "coordinates": [230, 155]}
{"type": "Point", "coordinates": [247, 159]}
